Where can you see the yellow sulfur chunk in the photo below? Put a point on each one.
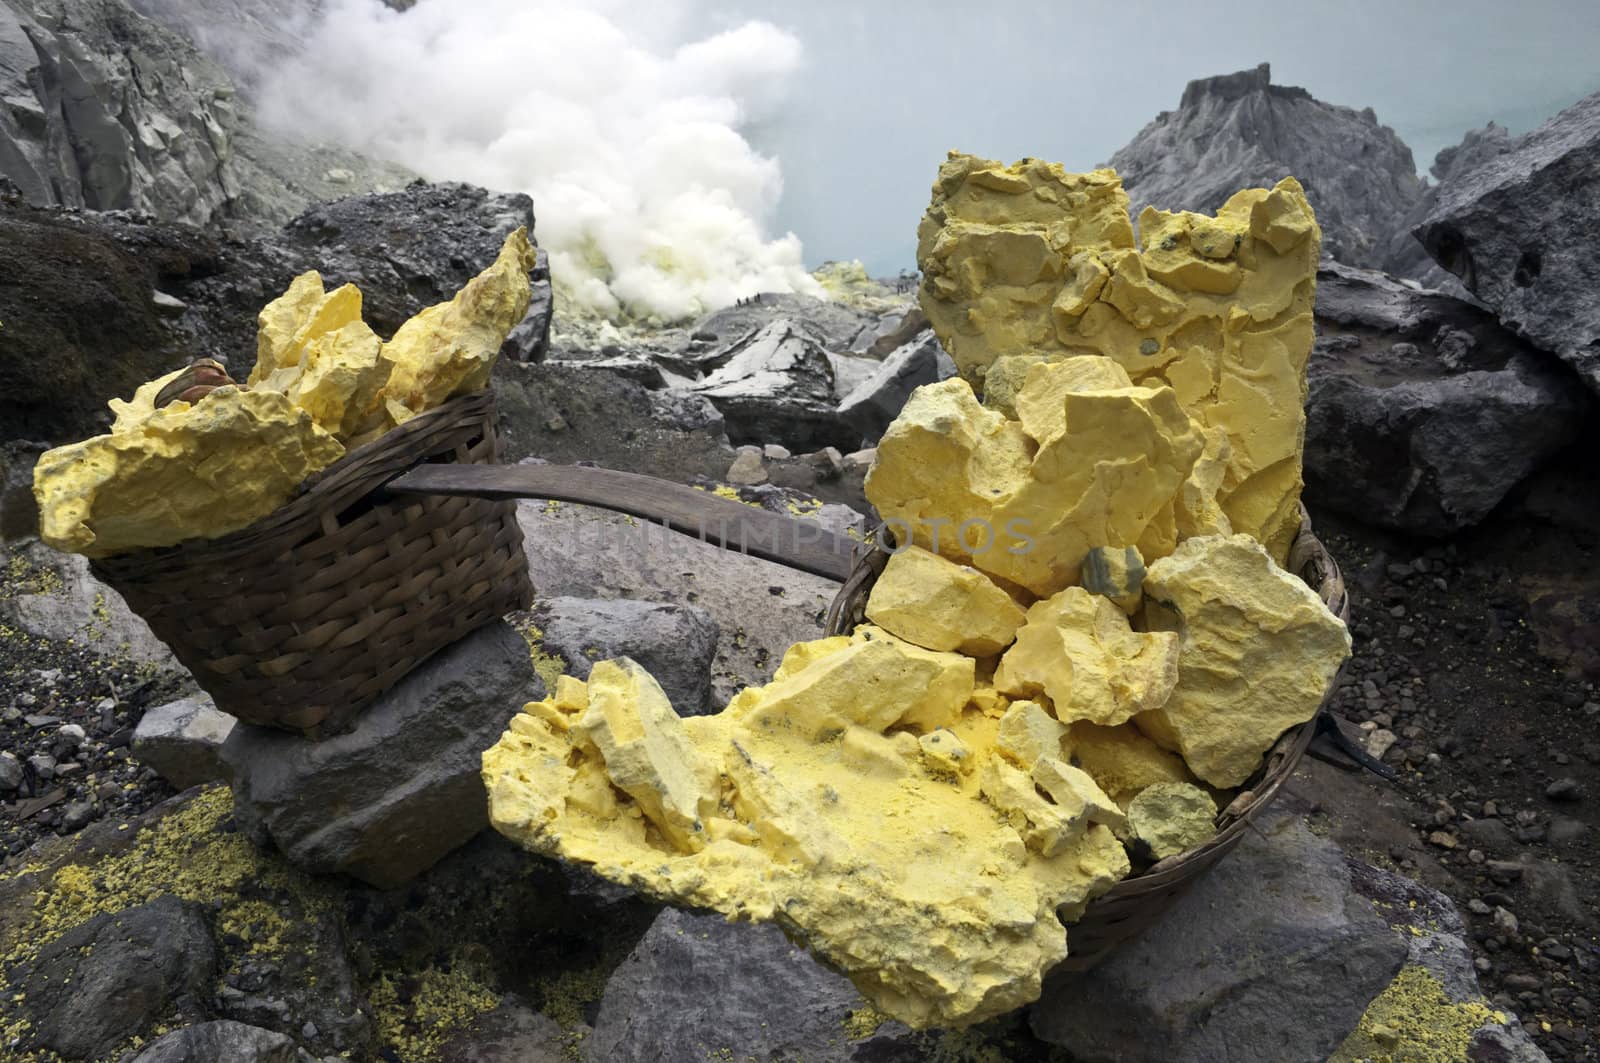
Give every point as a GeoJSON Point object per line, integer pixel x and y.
{"type": "Point", "coordinates": [1028, 734]}
{"type": "Point", "coordinates": [1005, 378]}
{"type": "Point", "coordinates": [1169, 818]}
{"type": "Point", "coordinates": [1024, 501]}
{"type": "Point", "coordinates": [1075, 791]}
{"type": "Point", "coordinates": [450, 348]}
{"type": "Point", "coordinates": [184, 472]}
{"type": "Point", "coordinates": [940, 605]}
{"type": "Point", "coordinates": [1115, 574]}
{"type": "Point", "coordinates": [128, 415]}
{"type": "Point", "coordinates": [875, 681]}
{"type": "Point", "coordinates": [646, 753]}
{"type": "Point", "coordinates": [1122, 760]}
{"type": "Point", "coordinates": [1045, 826]}
{"type": "Point", "coordinates": [297, 317]}
{"type": "Point", "coordinates": [1029, 261]}
{"type": "Point", "coordinates": [879, 850]}
{"type": "Point", "coordinates": [1258, 650]}
{"type": "Point", "coordinates": [339, 380]}
{"type": "Point", "coordinates": [1078, 650]}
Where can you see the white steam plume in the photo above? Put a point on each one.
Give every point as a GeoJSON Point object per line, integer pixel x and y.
{"type": "Point", "coordinates": [649, 200]}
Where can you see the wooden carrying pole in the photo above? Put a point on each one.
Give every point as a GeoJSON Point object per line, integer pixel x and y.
{"type": "Point", "coordinates": [800, 544]}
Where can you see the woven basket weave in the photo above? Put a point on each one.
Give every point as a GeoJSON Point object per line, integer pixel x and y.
{"type": "Point", "coordinates": [1137, 901]}
{"type": "Point", "coordinates": [302, 619]}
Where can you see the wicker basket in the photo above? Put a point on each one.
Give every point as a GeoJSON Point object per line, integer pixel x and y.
{"type": "Point", "coordinates": [1137, 901]}
{"type": "Point", "coordinates": [302, 619]}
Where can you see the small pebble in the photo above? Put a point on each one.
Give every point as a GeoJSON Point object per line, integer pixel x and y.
{"type": "Point", "coordinates": [1564, 789]}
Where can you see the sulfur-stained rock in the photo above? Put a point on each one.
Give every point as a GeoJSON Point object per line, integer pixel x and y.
{"type": "Point", "coordinates": [1005, 378]}
{"type": "Point", "coordinates": [1122, 760]}
{"type": "Point", "coordinates": [1078, 650]}
{"type": "Point", "coordinates": [1168, 818]}
{"type": "Point", "coordinates": [449, 349]}
{"type": "Point", "coordinates": [1024, 501]}
{"type": "Point", "coordinates": [875, 847]}
{"type": "Point", "coordinates": [184, 472]}
{"type": "Point", "coordinates": [1030, 261]}
{"type": "Point", "coordinates": [940, 605]}
{"type": "Point", "coordinates": [1257, 652]}
{"type": "Point", "coordinates": [1115, 574]}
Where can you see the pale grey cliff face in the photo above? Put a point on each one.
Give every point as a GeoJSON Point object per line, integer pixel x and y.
{"type": "Point", "coordinates": [102, 107]}
{"type": "Point", "coordinates": [1241, 131]}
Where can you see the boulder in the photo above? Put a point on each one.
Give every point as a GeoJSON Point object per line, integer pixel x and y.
{"type": "Point", "coordinates": [223, 1039]}
{"type": "Point", "coordinates": [1518, 230]}
{"type": "Point", "coordinates": [110, 978]}
{"type": "Point", "coordinates": [878, 399]}
{"type": "Point", "coordinates": [67, 603]}
{"type": "Point", "coordinates": [1405, 256]}
{"type": "Point", "coordinates": [697, 987]}
{"type": "Point", "coordinates": [1272, 955]}
{"type": "Point", "coordinates": [1241, 131]}
{"type": "Point", "coordinates": [674, 643]}
{"type": "Point", "coordinates": [182, 740]}
{"type": "Point", "coordinates": [387, 800]}
{"type": "Point", "coordinates": [777, 385]}
{"type": "Point", "coordinates": [1425, 411]}
{"type": "Point", "coordinates": [760, 607]}
{"type": "Point", "coordinates": [833, 324]}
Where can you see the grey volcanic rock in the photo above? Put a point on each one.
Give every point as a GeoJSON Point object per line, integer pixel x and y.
{"type": "Point", "coordinates": [1241, 131]}
{"type": "Point", "coordinates": [224, 1039]}
{"type": "Point", "coordinates": [1519, 232]}
{"type": "Point", "coordinates": [776, 385]}
{"type": "Point", "coordinates": [834, 325]}
{"type": "Point", "coordinates": [1405, 256]}
{"type": "Point", "coordinates": [878, 400]}
{"type": "Point", "coordinates": [387, 800]}
{"type": "Point", "coordinates": [107, 109]}
{"type": "Point", "coordinates": [71, 605]}
{"type": "Point", "coordinates": [674, 643]}
{"type": "Point", "coordinates": [182, 741]}
{"type": "Point", "coordinates": [1272, 955]}
{"type": "Point", "coordinates": [19, 510]}
{"type": "Point", "coordinates": [697, 987]}
{"type": "Point", "coordinates": [1424, 411]}
{"type": "Point", "coordinates": [107, 980]}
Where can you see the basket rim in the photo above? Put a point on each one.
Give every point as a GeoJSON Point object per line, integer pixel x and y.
{"type": "Point", "coordinates": [355, 474]}
{"type": "Point", "coordinates": [1310, 561]}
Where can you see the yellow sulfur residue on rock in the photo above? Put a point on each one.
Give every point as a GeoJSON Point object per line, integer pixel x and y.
{"type": "Point", "coordinates": [940, 605]}
{"type": "Point", "coordinates": [323, 383]}
{"type": "Point", "coordinates": [208, 470]}
{"type": "Point", "coordinates": [1078, 650]}
{"type": "Point", "coordinates": [1257, 650]}
{"type": "Point", "coordinates": [1122, 759]}
{"type": "Point", "coordinates": [1030, 261]}
{"type": "Point", "coordinates": [845, 800]}
{"type": "Point", "coordinates": [1024, 501]}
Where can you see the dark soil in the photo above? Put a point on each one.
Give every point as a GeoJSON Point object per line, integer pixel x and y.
{"type": "Point", "coordinates": [1497, 800]}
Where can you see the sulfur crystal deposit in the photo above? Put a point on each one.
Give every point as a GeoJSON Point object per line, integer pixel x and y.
{"type": "Point", "coordinates": [323, 383]}
{"type": "Point", "coordinates": [1082, 640]}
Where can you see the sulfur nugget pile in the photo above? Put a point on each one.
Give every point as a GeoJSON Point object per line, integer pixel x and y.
{"type": "Point", "coordinates": [323, 383]}
{"type": "Point", "coordinates": [1083, 643]}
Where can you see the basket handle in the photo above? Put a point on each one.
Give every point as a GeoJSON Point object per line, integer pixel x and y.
{"type": "Point", "coordinates": [799, 544]}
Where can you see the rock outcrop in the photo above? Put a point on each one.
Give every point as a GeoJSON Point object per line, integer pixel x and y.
{"type": "Point", "coordinates": [872, 404]}
{"type": "Point", "coordinates": [1518, 230]}
{"type": "Point", "coordinates": [1240, 131]}
{"type": "Point", "coordinates": [107, 109]}
{"type": "Point", "coordinates": [776, 384]}
{"type": "Point", "coordinates": [1424, 411]}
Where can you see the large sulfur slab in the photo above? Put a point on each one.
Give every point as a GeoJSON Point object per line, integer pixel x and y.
{"type": "Point", "coordinates": [323, 383]}
{"type": "Point", "coordinates": [1030, 261]}
{"type": "Point", "coordinates": [185, 472]}
{"type": "Point", "coordinates": [1257, 650]}
{"type": "Point", "coordinates": [1078, 650]}
{"type": "Point", "coordinates": [838, 801]}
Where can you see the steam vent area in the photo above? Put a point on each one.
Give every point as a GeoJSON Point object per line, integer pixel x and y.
{"type": "Point", "coordinates": [475, 588]}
